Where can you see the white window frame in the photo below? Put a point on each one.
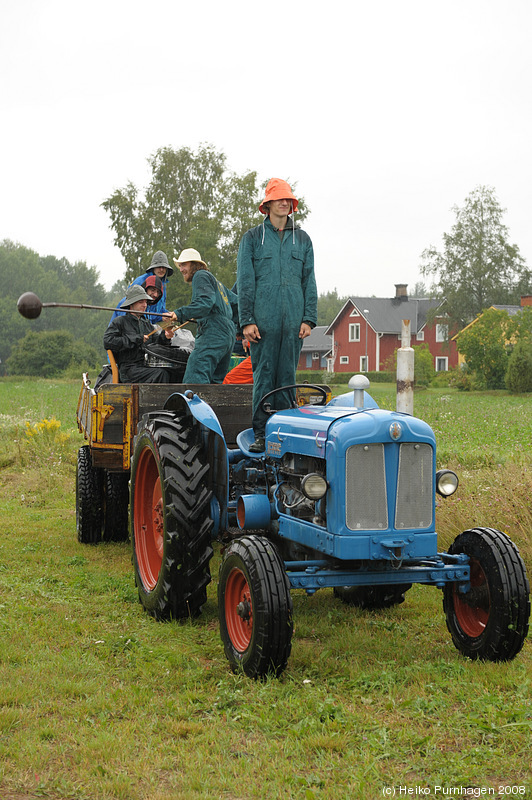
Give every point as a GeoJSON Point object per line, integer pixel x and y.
{"type": "Point", "coordinates": [354, 313]}
{"type": "Point", "coordinates": [354, 329]}
{"type": "Point", "coordinates": [315, 355]}
{"type": "Point", "coordinates": [364, 361]}
{"type": "Point", "coordinates": [344, 359]}
{"type": "Point", "coordinates": [445, 360]}
{"type": "Point", "coordinates": [442, 332]}
{"type": "Point", "coordinates": [420, 336]}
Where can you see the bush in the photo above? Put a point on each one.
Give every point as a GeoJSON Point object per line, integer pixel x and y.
{"type": "Point", "coordinates": [519, 373]}
{"type": "Point", "coordinates": [484, 347]}
{"type": "Point", "coordinates": [461, 379]}
{"type": "Point", "coordinates": [423, 366]}
{"type": "Point", "coordinates": [48, 354]}
{"type": "Point", "coordinates": [441, 380]}
{"type": "Point", "coordinates": [424, 370]}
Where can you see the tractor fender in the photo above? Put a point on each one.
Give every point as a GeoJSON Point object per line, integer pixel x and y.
{"type": "Point", "coordinates": [191, 404]}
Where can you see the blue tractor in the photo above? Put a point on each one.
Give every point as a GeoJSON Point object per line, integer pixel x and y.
{"type": "Point", "coordinates": [343, 497]}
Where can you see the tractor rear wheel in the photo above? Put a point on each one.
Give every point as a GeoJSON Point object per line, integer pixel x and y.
{"type": "Point", "coordinates": [170, 516]}
{"type": "Point", "coordinates": [89, 498]}
{"type": "Point", "coordinates": [373, 597]}
{"type": "Point", "coordinates": [116, 496]}
{"type": "Point", "coordinates": [255, 607]}
{"type": "Point", "coordinates": [490, 621]}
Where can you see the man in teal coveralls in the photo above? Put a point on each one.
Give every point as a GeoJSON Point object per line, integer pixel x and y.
{"type": "Point", "coordinates": [277, 299]}
{"type": "Point", "coordinates": [213, 306]}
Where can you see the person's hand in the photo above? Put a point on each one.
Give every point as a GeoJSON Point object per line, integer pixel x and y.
{"type": "Point", "coordinates": [251, 333]}
{"type": "Point", "coordinates": [304, 330]}
{"type": "Point", "coordinates": [169, 333]}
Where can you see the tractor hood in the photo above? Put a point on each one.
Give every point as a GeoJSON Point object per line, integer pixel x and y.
{"type": "Point", "coordinates": [307, 430]}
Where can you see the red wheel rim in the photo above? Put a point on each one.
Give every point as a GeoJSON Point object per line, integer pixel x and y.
{"type": "Point", "coordinates": [473, 609]}
{"type": "Point", "coordinates": [238, 610]}
{"type": "Point", "coordinates": [148, 519]}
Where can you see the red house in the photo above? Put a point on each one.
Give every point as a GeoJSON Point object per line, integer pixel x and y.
{"type": "Point", "coordinates": [367, 331]}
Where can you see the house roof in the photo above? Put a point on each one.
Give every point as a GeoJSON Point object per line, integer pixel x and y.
{"type": "Point", "coordinates": [385, 315]}
{"type": "Point", "coordinates": [317, 341]}
{"type": "Point", "coordinates": [510, 310]}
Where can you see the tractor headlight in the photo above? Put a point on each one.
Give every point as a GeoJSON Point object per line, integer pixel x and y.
{"type": "Point", "coordinates": [314, 486]}
{"type": "Point", "coordinates": [446, 482]}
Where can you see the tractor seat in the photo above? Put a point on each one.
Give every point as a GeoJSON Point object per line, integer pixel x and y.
{"type": "Point", "coordinates": [244, 439]}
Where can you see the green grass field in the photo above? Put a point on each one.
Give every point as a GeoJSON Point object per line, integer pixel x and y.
{"type": "Point", "coordinates": [100, 702]}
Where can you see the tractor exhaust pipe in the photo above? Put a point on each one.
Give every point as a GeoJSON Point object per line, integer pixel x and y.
{"type": "Point", "coordinates": [30, 307]}
{"type": "Point", "coordinates": [405, 372]}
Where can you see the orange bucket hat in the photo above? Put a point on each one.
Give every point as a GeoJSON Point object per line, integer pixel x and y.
{"type": "Point", "coordinates": [278, 189]}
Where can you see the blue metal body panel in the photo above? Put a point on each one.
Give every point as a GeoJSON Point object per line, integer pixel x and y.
{"type": "Point", "coordinates": [371, 557]}
{"type": "Point", "coordinates": [348, 399]}
{"type": "Point", "coordinates": [349, 546]}
{"type": "Point", "coordinates": [327, 432]}
{"type": "Point", "coordinates": [374, 427]}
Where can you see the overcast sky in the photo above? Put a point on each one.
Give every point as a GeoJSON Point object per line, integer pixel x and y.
{"type": "Point", "coordinates": [387, 114]}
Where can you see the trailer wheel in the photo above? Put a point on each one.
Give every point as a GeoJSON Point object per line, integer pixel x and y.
{"type": "Point", "coordinates": [89, 498]}
{"type": "Point", "coordinates": [116, 497]}
{"type": "Point", "coordinates": [490, 621]}
{"type": "Point", "coordinates": [255, 608]}
{"type": "Point", "coordinates": [170, 516]}
{"type": "Point", "coordinates": [373, 597]}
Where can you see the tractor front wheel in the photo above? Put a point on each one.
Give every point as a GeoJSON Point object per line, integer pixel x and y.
{"type": "Point", "coordinates": [255, 607]}
{"type": "Point", "coordinates": [490, 621]}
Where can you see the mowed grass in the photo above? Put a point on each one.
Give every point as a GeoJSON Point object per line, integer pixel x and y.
{"type": "Point", "coordinates": [99, 702]}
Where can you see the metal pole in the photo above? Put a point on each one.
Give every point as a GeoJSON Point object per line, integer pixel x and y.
{"type": "Point", "coordinates": [30, 306]}
{"type": "Point", "coordinates": [101, 308]}
{"type": "Point", "coordinates": [366, 311]}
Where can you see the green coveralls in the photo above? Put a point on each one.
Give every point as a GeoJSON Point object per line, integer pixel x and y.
{"type": "Point", "coordinates": [212, 307]}
{"type": "Point", "coordinates": [276, 292]}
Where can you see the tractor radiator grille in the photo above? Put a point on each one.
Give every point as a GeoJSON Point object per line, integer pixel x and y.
{"type": "Point", "coordinates": [366, 505]}
{"type": "Point", "coordinates": [414, 504]}
{"type": "Point", "coordinates": [366, 497]}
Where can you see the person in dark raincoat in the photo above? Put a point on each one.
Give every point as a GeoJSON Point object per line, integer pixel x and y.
{"type": "Point", "coordinates": [154, 287]}
{"type": "Point", "coordinates": [161, 269]}
{"type": "Point", "coordinates": [277, 299]}
{"type": "Point", "coordinates": [214, 308]}
{"type": "Point", "coordinates": [126, 335]}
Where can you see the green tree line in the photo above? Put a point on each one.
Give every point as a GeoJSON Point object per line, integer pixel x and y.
{"type": "Point", "coordinates": [59, 337]}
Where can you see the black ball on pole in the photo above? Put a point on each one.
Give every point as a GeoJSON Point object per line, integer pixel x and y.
{"type": "Point", "coordinates": [29, 305]}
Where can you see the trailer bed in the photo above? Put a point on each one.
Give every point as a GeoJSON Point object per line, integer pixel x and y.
{"type": "Point", "coordinates": [108, 417]}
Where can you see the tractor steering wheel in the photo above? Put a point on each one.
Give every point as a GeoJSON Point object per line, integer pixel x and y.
{"type": "Point", "coordinates": [266, 407]}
